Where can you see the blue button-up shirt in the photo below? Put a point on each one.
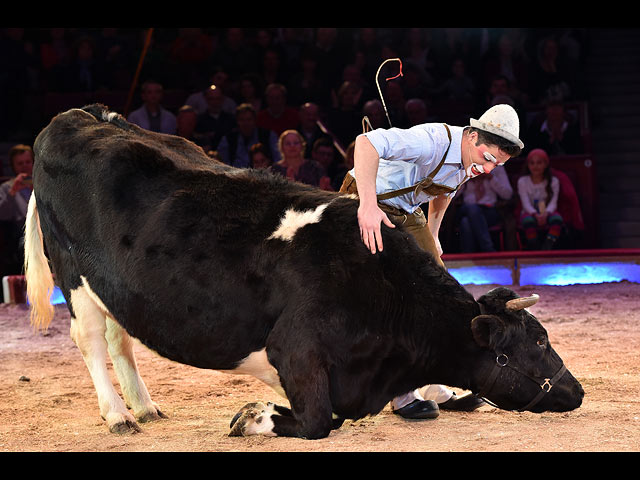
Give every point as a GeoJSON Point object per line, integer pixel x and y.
{"type": "Point", "coordinates": [409, 155]}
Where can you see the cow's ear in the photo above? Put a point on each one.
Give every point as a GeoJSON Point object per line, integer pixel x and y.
{"type": "Point", "coordinates": [487, 330]}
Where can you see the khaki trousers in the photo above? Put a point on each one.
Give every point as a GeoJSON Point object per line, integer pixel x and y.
{"type": "Point", "coordinates": [414, 223]}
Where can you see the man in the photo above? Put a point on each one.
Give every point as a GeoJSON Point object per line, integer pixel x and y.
{"type": "Point", "coordinates": [278, 115]}
{"type": "Point", "coordinates": [152, 115]}
{"type": "Point", "coordinates": [214, 123]}
{"type": "Point", "coordinates": [479, 211]}
{"type": "Point", "coordinates": [234, 148]}
{"type": "Point", "coordinates": [397, 170]}
{"type": "Point", "coordinates": [14, 200]}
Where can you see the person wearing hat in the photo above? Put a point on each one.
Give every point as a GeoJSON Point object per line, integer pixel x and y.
{"type": "Point", "coordinates": [396, 170]}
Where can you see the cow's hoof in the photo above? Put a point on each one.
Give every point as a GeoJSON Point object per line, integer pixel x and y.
{"type": "Point", "coordinates": [253, 419]}
{"type": "Point", "coordinates": [121, 424]}
{"type": "Point", "coordinates": [150, 416]}
{"type": "Point", "coordinates": [127, 426]}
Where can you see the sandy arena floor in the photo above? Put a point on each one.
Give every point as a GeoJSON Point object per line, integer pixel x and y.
{"type": "Point", "coordinates": [48, 403]}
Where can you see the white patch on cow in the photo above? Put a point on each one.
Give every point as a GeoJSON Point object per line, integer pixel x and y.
{"type": "Point", "coordinates": [294, 220]}
{"type": "Point", "coordinates": [93, 296]}
{"type": "Point", "coordinates": [109, 116]}
{"type": "Point", "coordinates": [257, 365]}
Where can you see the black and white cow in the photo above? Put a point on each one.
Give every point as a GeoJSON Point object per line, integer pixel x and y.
{"type": "Point", "coordinates": [241, 271]}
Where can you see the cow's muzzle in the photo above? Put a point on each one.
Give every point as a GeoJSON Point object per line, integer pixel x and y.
{"type": "Point", "coordinates": [545, 384]}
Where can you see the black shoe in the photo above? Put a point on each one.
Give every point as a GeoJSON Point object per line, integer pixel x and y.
{"type": "Point", "coordinates": [466, 403]}
{"type": "Point", "coordinates": [419, 409]}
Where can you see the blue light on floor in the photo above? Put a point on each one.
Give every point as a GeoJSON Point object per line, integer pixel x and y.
{"type": "Point", "coordinates": [482, 275]}
{"type": "Point", "coordinates": [57, 297]}
{"type": "Point", "coordinates": [579, 273]}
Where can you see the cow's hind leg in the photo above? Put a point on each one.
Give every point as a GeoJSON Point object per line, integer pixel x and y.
{"type": "Point", "coordinates": [88, 329]}
{"type": "Point", "coordinates": [134, 391]}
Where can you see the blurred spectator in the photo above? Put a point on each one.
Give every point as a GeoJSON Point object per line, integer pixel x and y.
{"type": "Point", "coordinates": [498, 90]}
{"type": "Point", "coordinates": [292, 42]}
{"type": "Point", "coordinates": [272, 70]}
{"type": "Point", "coordinates": [417, 112]}
{"type": "Point", "coordinates": [345, 120]}
{"type": "Point", "coordinates": [344, 165]}
{"type": "Point", "coordinates": [331, 56]}
{"type": "Point", "coordinates": [277, 115]}
{"type": "Point", "coordinates": [152, 115]}
{"type": "Point", "coordinates": [112, 53]}
{"type": "Point", "coordinates": [306, 85]}
{"type": "Point", "coordinates": [374, 111]}
{"type": "Point", "coordinates": [538, 190]}
{"type": "Point", "coordinates": [15, 193]}
{"type": "Point", "coordinates": [551, 77]}
{"type": "Point", "coordinates": [508, 59]}
{"type": "Point", "coordinates": [191, 48]}
{"type": "Point", "coordinates": [214, 123]}
{"type": "Point", "coordinates": [250, 91]}
{"type": "Point", "coordinates": [83, 73]}
{"type": "Point", "coordinates": [236, 56]}
{"type": "Point", "coordinates": [395, 102]}
{"type": "Point", "coordinates": [56, 50]}
{"type": "Point", "coordinates": [458, 86]}
{"type": "Point", "coordinates": [259, 156]}
{"type": "Point", "coordinates": [198, 100]}
{"type": "Point", "coordinates": [19, 64]}
{"type": "Point", "coordinates": [418, 52]}
{"type": "Point", "coordinates": [556, 131]}
{"type": "Point", "coordinates": [14, 200]}
{"type": "Point", "coordinates": [186, 121]}
{"type": "Point", "coordinates": [235, 146]}
{"type": "Point", "coordinates": [415, 81]}
{"type": "Point", "coordinates": [324, 154]}
{"type": "Point", "coordinates": [309, 114]}
{"type": "Point", "coordinates": [293, 165]}
{"type": "Point", "coordinates": [367, 45]}
{"type": "Point", "coordinates": [478, 211]}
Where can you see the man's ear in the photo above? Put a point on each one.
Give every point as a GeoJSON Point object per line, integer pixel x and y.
{"type": "Point", "coordinates": [487, 330]}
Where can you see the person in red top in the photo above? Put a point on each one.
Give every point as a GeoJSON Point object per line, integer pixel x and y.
{"type": "Point", "coordinates": [278, 115]}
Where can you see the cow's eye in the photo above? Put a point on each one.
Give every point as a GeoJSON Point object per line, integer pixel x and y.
{"type": "Point", "coordinates": [542, 342]}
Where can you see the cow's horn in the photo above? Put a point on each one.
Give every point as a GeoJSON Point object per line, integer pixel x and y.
{"type": "Point", "coordinates": [523, 302]}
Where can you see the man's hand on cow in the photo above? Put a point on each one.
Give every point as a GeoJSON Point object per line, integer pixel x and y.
{"type": "Point", "coordinates": [369, 219]}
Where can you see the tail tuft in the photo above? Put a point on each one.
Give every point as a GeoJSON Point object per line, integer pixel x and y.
{"type": "Point", "coordinates": [37, 272]}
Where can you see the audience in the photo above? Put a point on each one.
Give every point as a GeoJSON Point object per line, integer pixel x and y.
{"type": "Point", "coordinates": [316, 79]}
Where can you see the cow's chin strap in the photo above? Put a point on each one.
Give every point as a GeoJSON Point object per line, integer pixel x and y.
{"type": "Point", "coordinates": [502, 360]}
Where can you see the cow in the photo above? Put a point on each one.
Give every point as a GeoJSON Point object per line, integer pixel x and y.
{"type": "Point", "coordinates": [246, 272]}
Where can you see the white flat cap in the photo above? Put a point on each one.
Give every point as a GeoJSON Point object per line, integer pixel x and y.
{"type": "Point", "coordinates": [501, 120]}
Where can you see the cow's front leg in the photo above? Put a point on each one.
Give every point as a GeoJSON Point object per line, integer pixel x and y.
{"type": "Point", "coordinates": [123, 359]}
{"type": "Point", "coordinates": [310, 414]}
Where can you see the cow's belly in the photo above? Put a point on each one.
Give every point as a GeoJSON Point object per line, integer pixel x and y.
{"type": "Point", "coordinates": [206, 337]}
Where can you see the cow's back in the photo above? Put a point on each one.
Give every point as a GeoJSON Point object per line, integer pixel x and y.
{"type": "Point", "coordinates": [164, 235]}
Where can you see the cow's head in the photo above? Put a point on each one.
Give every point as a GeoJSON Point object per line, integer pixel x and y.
{"type": "Point", "coordinates": [522, 371]}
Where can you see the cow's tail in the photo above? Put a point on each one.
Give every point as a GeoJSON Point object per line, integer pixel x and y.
{"type": "Point", "coordinates": [38, 275]}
